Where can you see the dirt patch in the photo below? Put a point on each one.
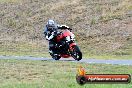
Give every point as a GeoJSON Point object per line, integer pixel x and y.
{"type": "Point", "coordinates": [95, 23]}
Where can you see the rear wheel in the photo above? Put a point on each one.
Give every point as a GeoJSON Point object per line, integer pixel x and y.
{"type": "Point", "coordinates": [56, 57]}
{"type": "Point", "coordinates": [76, 53]}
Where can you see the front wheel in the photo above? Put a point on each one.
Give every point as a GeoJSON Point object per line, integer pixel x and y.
{"type": "Point", "coordinates": [76, 53]}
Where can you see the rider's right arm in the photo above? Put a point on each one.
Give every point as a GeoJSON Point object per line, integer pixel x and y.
{"type": "Point", "coordinates": [45, 31]}
{"type": "Point", "coordinates": [50, 37]}
{"type": "Point", "coordinates": [46, 35]}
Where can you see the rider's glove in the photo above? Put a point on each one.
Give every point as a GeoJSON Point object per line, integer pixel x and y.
{"type": "Point", "coordinates": [50, 37]}
{"type": "Point", "coordinates": [47, 38]}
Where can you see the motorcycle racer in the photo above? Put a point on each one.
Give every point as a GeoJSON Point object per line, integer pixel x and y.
{"type": "Point", "coordinates": [51, 31]}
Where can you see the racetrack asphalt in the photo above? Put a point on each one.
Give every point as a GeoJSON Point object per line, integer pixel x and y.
{"type": "Point", "coordinates": [95, 61]}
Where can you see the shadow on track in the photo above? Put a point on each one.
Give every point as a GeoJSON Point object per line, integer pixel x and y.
{"type": "Point", "coordinates": [62, 59]}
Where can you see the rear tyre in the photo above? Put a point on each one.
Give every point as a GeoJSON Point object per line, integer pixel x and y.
{"type": "Point", "coordinates": [76, 53]}
{"type": "Point", "coordinates": [56, 57]}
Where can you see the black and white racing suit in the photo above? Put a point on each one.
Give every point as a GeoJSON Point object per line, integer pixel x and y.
{"type": "Point", "coordinates": [50, 34]}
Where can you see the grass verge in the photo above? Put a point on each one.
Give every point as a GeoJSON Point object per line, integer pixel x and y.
{"type": "Point", "coordinates": [53, 74]}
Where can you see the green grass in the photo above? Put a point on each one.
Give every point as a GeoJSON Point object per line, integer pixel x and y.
{"type": "Point", "coordinates": [124, 53]}
{"type": "Point", "coordinates": [39, 50]}
{"type": "Point", "coordinates": [54, 74]}
{"type": "Point", "coordinates": [95, 51]}
{"type": "Point", "coordinates": [117, 54]}
{"type": "Point", "coordinates": [86, 17]}
{"type": "Point", "coordinates": [106, 56]}
{"type": "Point", "coordinates": [23, 49]}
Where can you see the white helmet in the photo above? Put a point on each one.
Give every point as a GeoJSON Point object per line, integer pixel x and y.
{"type": "Point", "coordinates": [51, 23]}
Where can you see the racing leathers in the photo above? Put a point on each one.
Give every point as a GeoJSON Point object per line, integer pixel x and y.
{"type": "Point", "coordinates": [50, 34]}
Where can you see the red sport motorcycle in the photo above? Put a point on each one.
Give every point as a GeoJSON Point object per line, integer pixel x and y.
{"type": "Point", "coordinates": [66, 46]}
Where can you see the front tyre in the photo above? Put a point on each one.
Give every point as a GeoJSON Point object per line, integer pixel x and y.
{"type": "Point", "coordinates": [76, 53]}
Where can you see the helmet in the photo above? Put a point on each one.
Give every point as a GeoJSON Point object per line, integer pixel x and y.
{"type": "Point", "coordinates": [51, 23]}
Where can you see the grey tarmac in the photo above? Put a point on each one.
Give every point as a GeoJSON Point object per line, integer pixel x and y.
{"type": "Point", "coordinates": [90, 60]}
